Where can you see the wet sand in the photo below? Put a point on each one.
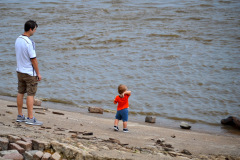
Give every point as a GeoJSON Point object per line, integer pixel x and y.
{"type": "Point", "coordinates": [143, 141]}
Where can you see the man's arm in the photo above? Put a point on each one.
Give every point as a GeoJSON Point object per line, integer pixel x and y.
{"type": "Point", "coordinates": [35, 66]}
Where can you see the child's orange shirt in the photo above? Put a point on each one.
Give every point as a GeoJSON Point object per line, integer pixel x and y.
{"type": "Point", "coordinates": [122, 102]}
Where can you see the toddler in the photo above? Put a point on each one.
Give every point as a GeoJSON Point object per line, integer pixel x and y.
{"type": "Point", "coordinates": [122, 108]}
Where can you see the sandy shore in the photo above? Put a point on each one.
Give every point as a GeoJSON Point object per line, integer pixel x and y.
{"type": "Point", "coordinates": [142, 142]}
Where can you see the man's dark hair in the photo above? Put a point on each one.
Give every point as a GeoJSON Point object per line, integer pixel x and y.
{"type": "Point", "coordinates": [30, 25]}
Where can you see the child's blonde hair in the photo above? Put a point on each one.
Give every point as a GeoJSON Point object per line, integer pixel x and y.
{"type": "Point", "coordinates": [122, 88]}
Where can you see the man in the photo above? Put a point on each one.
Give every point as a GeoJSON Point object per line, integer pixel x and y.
{"type": "Point", "coordinates": [27, 72]}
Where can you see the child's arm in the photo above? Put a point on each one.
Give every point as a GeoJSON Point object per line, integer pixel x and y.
{"type": "Point", "coordinates": [126, 92]}
{"type": "Point", "coordinates": [115, 101]}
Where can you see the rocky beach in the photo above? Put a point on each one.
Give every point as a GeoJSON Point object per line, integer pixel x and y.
{"type": "Point", "coordinates": [75, 135]}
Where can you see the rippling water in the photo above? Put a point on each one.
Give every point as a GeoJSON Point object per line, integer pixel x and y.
{"type": "Point", "coordinates": [179, 58]}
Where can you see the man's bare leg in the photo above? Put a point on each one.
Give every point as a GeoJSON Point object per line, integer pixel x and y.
{"type": "Point", "coordinates": [20, 103]}
{"type": "Point", "coordinates": [30, 101]}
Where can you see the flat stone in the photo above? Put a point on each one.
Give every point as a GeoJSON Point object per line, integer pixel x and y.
{"type": "Point", "coordinates": [60, 129]}
{"type": "Point", "coordinates": [114, 140]}
{"type": "Point", "coordinates": [28, 155]}
{"type": "Point", "coordinates": [32, 152]}
{"type": "Point", "coordinates": [150, 119]}
{"type": "Point", "coordinates": [46, 156]}
{"type": "Point", "coordinates": [186, 152]}
{"type": "Point", "coordinates": [26, 139]}
{"type": "Point", "coordinates": [15, 106]}
{"type": "Point", "coordinates": [167, 149]}
{"type": "Point", "coordinates": [40, 145]}
{"type": "Point", "coordinates": [185, 125]}
{"type": "Point", "coordinates": [59, 113]}
{"type": "Point", "coordinates": [4, 143]}
{"type": "Point", "coordinates": [87, 133]}
{"type": "Point", "coordinates": [160, 141]}
{"type": "Point", "coordinates": [14, 146]}
{"type": "Point", "coordinates": [87, 138]}
{"type": "Point", "coordinates": [3, 153]}
{"type": "Point", "coordinates": [39, 108]}
{"type": "Point", "coordinates": [55, 156]}
{"type": "Point", "coordinates": [26, 145]}
{"type": "Point", "coordinates": [105, 147]}
{"type": "Point", "coordinates": [14, 156]}
{"type": "Point", "coordinates": [38, 155]}
{"type": "Point", "coordinates": [68, 151]}
{"type": "Point", "coordinates": [13, 139]}
{"type": "Point", "coordinates": [95, 110]}
{"type": "Point", "coordinates": [39, 112]}
{"type": "Point", "coordinates": [76, 132]}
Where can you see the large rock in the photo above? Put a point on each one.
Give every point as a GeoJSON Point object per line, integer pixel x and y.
{"type": "Point", "coordinates": [69, 151]}
{"type": "Point", "coordinates": [4, 143]}
{"type": "Point", "coordinates": [46, 156]}
{"type": "Point", "coordinates": [95, 110]}
{"type": "Point", "coordinates": [28, 155]}
{"type": "Point", "coordinates": [14, 146]}
{"type": "Point", "coordinates": [40, 145]}
{"type": "Point", "coordinates": [37, 102]}
{"type": "Point", "coordinates": [26, 145]}
{"type": "Point", "coordinates": [150, 119]}
{"type": "Point", "coordinates": [26, 139]}
{"type": "Point", "coordinates": [13, 139]}
{"type": "Point", "coordinates": [38, 155]}
{"type": "Point", "coordinates": [3, 153]}
{"type": "Point", "coordinates": [55, 156]}
{"type": "Point", "coordinates": [11, 154]}
{"type": "Point", "coordinates": [234, 121]}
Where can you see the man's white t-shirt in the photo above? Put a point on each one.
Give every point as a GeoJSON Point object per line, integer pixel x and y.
{"type": "Point", "coordinates": [25, 51]}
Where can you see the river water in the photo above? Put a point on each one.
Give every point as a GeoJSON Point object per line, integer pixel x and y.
{"type": "Point", "coordinates": [180, 58]}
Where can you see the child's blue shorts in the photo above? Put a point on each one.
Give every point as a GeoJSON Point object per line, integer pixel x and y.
{"type": "Point", "coordinates": [122, 115]}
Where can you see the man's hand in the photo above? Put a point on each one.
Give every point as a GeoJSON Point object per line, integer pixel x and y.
{"type": "Point", "coordinates": [39, 77]}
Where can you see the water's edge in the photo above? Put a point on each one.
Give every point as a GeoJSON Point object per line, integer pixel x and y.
{"type": "Point", "coordinates": [160, 122]}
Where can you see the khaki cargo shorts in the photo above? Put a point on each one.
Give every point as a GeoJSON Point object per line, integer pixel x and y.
{"type": "Point", "coordinates": [27, 84]}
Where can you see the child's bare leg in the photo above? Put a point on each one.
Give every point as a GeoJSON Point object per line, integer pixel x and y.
{"type": "Point", "coordinates": [116, 122]}
{"type": "Point", "coordinates": [125, 124]}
